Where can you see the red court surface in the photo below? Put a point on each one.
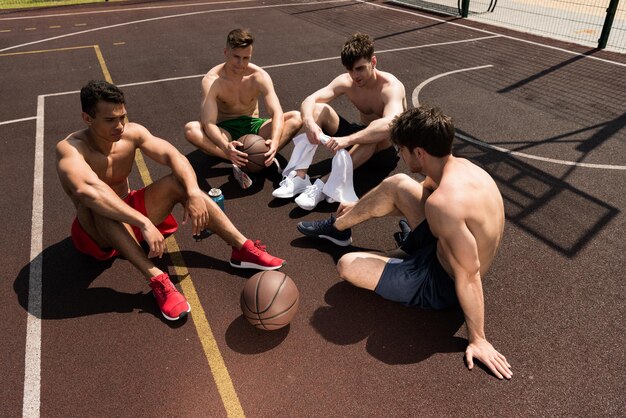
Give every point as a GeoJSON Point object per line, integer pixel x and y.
{"type": "Point", "coordinates": [545, 119]}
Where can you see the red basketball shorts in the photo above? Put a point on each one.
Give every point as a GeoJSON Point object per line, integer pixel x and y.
{"type": "Point", "coordinates": [85, 244]}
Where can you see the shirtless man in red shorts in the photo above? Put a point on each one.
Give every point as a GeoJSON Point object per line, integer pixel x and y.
{"type": "Point", "coordinates": [111, 219]}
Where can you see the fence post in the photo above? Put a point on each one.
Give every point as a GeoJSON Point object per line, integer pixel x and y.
{"type": "Point", "coordinates": [465, 8]}
{"type": "Point", "coordinates": [608, 24]}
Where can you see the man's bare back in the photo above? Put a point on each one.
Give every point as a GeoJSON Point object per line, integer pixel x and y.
{"type": "Point", "coordinates": [471, 195]}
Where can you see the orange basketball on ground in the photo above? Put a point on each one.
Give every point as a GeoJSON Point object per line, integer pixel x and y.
{"type": "Point", "coordinates": [254, 146]}
{"type": "Point", "coordinates": [269, 300]}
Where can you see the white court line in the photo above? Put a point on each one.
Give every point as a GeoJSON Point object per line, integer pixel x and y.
{"type": "Point", "coordinates": [286, 64]}
{"type": "Point", "coordinates": [124, 10]}
{"type": "Point", "coordinates": [535, 157]}
{"type": "Point", "coordinates": [234, 9]}
{"type": "Point", "coordinates": [32, 366]}
{"type": "Point", "coordinates": [502, 36]}
{"type": "Point", "coordinates": [415, 102]}
{"type": "Point", "coordinates": [418, 89]}
{"type": "Point", "coordinates": [7, 122]}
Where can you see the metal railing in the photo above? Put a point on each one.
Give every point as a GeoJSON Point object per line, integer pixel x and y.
{"type": "Point", "coordinates": [596, 23]}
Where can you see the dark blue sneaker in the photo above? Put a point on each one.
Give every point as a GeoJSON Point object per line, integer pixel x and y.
{"type": "Point", "coordinates": [401, 236]}
{"type": "Point", "coordinates": [325, 229]}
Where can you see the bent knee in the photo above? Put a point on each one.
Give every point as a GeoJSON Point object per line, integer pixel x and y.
{"type": "Point", "coordinates": [293, 116]}
{"type": "Point", "coordinates": [344, 266]}
{"type": "Point", "coordinates": [398, 180]}
{"type": "Point", "coordinates": [193, 131]}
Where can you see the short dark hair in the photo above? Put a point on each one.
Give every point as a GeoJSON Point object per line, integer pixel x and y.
{"type": "Point", "coordinates": [97, 90]}
{"type": "Point", "coordinates": [239, 38]}
{"type": "Point", "coordinates": [356, 47]}
{"type": "Point", "coordinates": [424, 127]}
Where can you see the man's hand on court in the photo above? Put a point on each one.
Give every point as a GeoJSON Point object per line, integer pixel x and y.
{"type": "Point", "coordinates": [483, 350]}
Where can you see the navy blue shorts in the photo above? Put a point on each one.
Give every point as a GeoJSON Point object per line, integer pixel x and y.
{"type": "Point", "coordinates": [418, 280]}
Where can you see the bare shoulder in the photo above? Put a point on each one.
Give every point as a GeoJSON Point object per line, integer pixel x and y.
{"type": "Point", "coordinates": [343, 79]}
{"type": "Point", "coordinates": [342, 83]}
{"type": "Point", "coordinates": [390, 81]}
{"type": "Point", "coordinates": [73, 142]}
{"type": "Point", "coordinates": [211, 77]}
{"type": "Point", "coordinates": [258, 74]}
{"type": "Point", "coordinates": [135, 132]}
{"type": "Point", "coordinates": [446, 200]}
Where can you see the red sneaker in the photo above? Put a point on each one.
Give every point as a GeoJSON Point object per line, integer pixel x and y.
{"type": "Point", "coordinates": [253, 256]}
{"type": "Point", "coordinates": [172, 303]}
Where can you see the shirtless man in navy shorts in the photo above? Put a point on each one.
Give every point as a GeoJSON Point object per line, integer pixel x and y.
{"type": "Point", "coordinates": [457, 220]}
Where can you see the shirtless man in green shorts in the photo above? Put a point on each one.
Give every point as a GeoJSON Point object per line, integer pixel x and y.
{"type": "Point", "coordinates": [230, 108]}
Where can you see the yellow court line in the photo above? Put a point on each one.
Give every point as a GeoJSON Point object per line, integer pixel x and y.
{"type": "Point", "coordinates": [46, 50]}
{"type": "Point", "coordinates": [217, 365]}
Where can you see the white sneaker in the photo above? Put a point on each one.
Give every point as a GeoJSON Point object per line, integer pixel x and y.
{"type": "Point", "coordinates": [311, 196]}
{"type": "Point", "coordinates": [242, 178]}
{"type": "Point", "coordinates": [291, 186]}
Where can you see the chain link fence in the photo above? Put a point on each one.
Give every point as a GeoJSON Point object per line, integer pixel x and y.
{"type": "Point", "coordinates": [578, 21]}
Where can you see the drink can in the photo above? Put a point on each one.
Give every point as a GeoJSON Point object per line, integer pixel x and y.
{"type": "Point", "coordinates": [217, 196]}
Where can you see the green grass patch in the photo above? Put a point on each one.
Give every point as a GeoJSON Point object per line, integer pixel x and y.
{"type": "Point", "coordinates": [25, 4]}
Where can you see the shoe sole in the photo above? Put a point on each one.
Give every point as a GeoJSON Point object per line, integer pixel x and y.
{"type": "Point", "coordinates": [181, 316]}
{"type": "Point", "coordinates": [309, 208]}
{"type": "Point", "coordinates": [246, 265]}
{"type": "Point", "coordinates": [341, 243]}
{"type": "Point", "coordinates": [288, 196]}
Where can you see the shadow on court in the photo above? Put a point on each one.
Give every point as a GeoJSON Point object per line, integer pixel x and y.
{"type": "Point", "coordinates": [395, 334]}
{"type": "Point", "coordinates": [68, 277]}
{"type": "Point", "coordinates": [545, 206]}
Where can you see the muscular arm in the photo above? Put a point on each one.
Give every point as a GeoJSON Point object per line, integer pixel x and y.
{"type": "Point", "coordinates": [460, 250]}
{"type": "Point", "coordinates": [326, 94]}
{"type": "Point", "coordinates": [276, 112]}
{"type": "Point", "coordinates": [393, 97]}
{"type": "Point", "coordinates": [209, 112]}
{"type": "Point", "coordinates": [165, 153]}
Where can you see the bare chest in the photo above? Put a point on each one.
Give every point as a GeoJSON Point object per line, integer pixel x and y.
{"type": "Point", "coordinates": [114, 168]}
{"type": "Point", "coordinates": [238, 98]}
{"type": "Point", "coordinates": [368, 103]}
